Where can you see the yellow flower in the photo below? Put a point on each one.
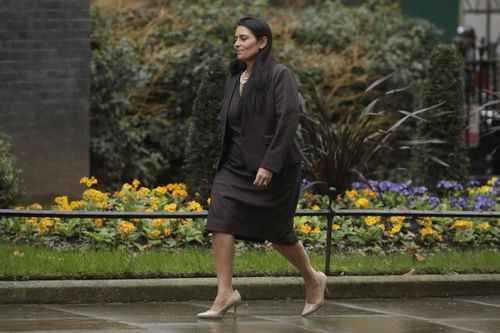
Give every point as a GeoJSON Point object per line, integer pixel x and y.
{"type": "Point", "coordinates": [127, 186]}
{"type": "Point", "coordinates": [136, 220]}
{"type": "Point", "coordinates": [158, 222]}
{"type": "Point", "coordinates": [194, 206]}
{"type": "Point", "coordinates": [160, 190]}
{"type": "Point", "coordinates": [485, 226]}
{"type": "Point", "coordinates": [120, 195]}
{"type": "Point", "coordinates": [144, 191]}
{"type": "Point", "coordinates": [98, 223]}
{"type": "Point", "coordinates": [427, 220]}
{"type": "Point", "coordinates": [94, 195]}
{"type": "Point", "coordinates": [170, 207]}
{"type": "Point", "coordinates": [63, 203]}
{"type": "Point", "coordinates": [492, 181]}
{"type": "Point", "coordinates": [135, 184]}
{"type": "Point", "coordinates": [154, 203]}
{"type": "Point", "coordinates": [371, 220]}
{"type": "Point", "coordinates": [369, 193]}
{"type": "Point", "coordinates": [351, 195]}
{"type": "Point", "coordinates": [304, 228]}
{"type": "Point", "coordinates": [167, 232]}
{"type": "Point", "coordinates": [45, 223]}
{"type": "Point", "coordinates": [397, 219]}
{"type": "Point", "coordinates": [362, 203]}
{"type": "Point", "coordinates": [75, 205]}
{"type": "Point", "coordinates": [428, 232]}
{"type": "Point", "coordinates": [336, 227]}
{"type": "Point", "coordinates": [31, 221]}
{"type": "Point", "coordinates": [88, 182]}
{"type": "Point", "coordinates": [316, 230]}
{"type": "Point", "coordinates": [395, 229]}
{"type": "Point", "coordinates": [309, 196]}
{"type": "Point", "coordinates": [463, 224]}
{"type": "Point", "coordinates": [35, 206]}
{"type": "Point", "coordinates": [381, 226]}
{"type": "Point", "coordinates": [177, 186]}
{"type": "Point", "coordinates": [209, 201]}
{"type": "Point", "coordinates": [126, 227]}
{"type": "Point", "coordinates": [179, 193]}
{"type": "Point", "coordinates": [187, 224]}
{"type": "Point", "coordinates": [316, 207]}
{"type": "Point", "coordinates": [481, 190]}
{"type": "Point", "coordinates": [104, 205]}
{"type": "Point", "coordinates": [155, 233]}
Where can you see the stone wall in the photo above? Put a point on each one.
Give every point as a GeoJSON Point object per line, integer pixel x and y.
{"type": "Point", "coordinates": [44, 93]}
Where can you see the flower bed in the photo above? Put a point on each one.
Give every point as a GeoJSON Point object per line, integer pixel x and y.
{"type": "Point", "coordinates": [398, 232]}
{"type": "Point", "coordinates": [370, 232]}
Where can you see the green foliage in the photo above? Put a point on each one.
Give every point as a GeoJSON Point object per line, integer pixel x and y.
{"type": "Point", "coordinates": [445, 85]}
{"type": "Point", "coordinates": [340, 49]}
{"type": "Point", "coordinates": [338, 153]}
{"type": "Point", "coordinates": [203, 143]}
{"type": "Point", "coordinates": [146, 68]}
{"type": "Point", "coordinates": [147, 65]}
{"type": "Point", "coordinates": [9, 174]}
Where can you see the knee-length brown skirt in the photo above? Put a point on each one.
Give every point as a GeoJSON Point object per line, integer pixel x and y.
{"type": "Point", "coordinates": [255, 213]}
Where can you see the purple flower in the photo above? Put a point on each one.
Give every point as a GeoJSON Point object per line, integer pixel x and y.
{"type": "Point", "coordinates": [304, 183]}
{"type": "Point", "coordinates": [434, 201]}
{"type": "Point", "coordinates": [420, 190]}
{"type": "Point", "coordinates": [359, 185]}
{"type": "Point", "coordinates": [459, 202]}
{"type": "Point", "coordinates": [473, 183]}
{"type": "Point", "coordinates": [384, 185]}
{"type": "Point", "coordinates": [483, 202]}
{"type": "Point", "coordinates": [495, 192]}
{"type": "Point", "coordinates": [450, 185]}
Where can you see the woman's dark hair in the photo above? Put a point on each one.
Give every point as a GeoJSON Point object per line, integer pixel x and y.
{"type": "Point", "coordinates": [255, 89]}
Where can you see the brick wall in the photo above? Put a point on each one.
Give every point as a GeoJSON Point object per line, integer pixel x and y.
{"type": "Point", "coordinates": [44, 92]}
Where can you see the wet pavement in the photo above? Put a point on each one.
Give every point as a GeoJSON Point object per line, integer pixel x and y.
{"type": "Point", "coordinates": [422, 315]}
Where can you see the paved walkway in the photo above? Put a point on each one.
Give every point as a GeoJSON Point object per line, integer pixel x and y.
{"type": "Point", "coordinates": [422, 315]}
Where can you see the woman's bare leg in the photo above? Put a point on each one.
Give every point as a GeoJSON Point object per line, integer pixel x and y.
{"type": "Point", "coordinates": [223, 250]}
{"type": "Point", "coordinates": [297, 256]}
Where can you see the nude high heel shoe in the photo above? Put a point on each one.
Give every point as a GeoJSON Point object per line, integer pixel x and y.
{"type": "Point", "coordinates": [311, 307]}
{"type": "Point", "coordinates": [233, 301]}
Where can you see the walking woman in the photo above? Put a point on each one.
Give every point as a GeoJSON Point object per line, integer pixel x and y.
{"type": "Point", "coordinates": [256, 188]}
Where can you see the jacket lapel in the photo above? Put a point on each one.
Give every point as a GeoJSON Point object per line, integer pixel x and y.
{"type": "Point", "coordinates": [228, 95]}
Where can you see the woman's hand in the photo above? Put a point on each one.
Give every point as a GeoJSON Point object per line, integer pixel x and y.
{"type": "Point", "coordinates": [263, 177]}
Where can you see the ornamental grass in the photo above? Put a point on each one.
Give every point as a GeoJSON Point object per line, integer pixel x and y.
{"type": "Point", "coordinates": [368, 233]}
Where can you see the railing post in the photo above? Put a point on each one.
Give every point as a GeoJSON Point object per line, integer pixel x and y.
{"type": "Point", "coordinates": [329, 227]}
{"type": "Point", "coordinates": [328, 241]}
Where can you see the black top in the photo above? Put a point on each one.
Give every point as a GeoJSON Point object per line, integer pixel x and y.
{"type": "Point", "coordinates": [234, 158]}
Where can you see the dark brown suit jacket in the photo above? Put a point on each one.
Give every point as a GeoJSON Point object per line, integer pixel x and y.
{"type": "Point", "coordinates": [269, 135]}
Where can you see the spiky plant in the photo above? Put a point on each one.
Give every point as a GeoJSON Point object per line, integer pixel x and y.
{"type": "Point", "coordinates": [338, 153]}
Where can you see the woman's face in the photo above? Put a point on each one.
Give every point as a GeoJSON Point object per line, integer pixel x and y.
{"type": "Point", "coordinates": [246, 44]}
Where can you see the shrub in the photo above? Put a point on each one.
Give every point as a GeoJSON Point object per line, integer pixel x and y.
{"type": "Point", "coordinates": [448, 158]}
{"type": "Point", "coordinates": [338, 153]}
{"type": "Point", "coordinates": [203, 143]}
{"type": "Point", "coordinates": [9, 174]}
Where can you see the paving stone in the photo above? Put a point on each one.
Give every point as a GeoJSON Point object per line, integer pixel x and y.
{"type": "Point", "coordinates": [446, 315]}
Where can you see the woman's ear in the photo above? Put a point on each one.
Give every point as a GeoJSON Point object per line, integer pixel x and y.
{"type": "Point", "coordinates": [262, 42]}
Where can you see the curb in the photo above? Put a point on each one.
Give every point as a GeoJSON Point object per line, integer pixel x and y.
{"type": "Point", "coordinates": [252, 288]}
